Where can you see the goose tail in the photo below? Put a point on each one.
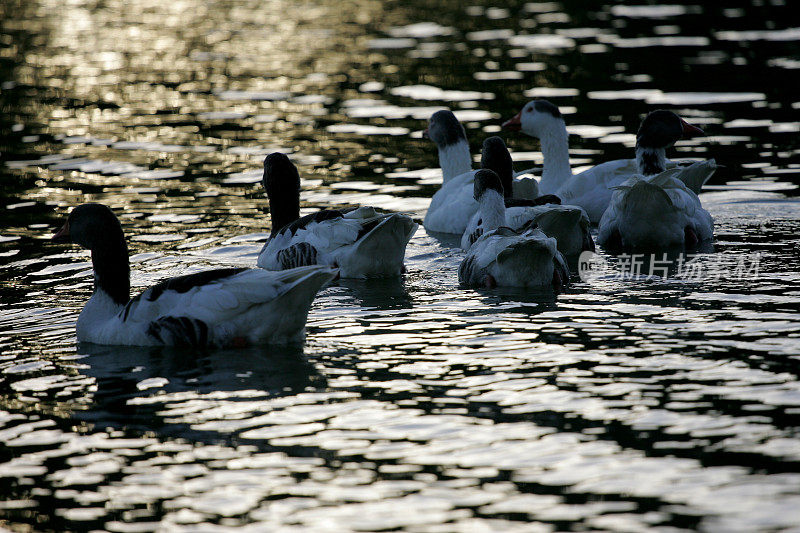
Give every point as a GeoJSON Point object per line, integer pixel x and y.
{"type": "Point", "coordinates": [289, 309]}
{"type": "Point", "coordinates": [380, 252]}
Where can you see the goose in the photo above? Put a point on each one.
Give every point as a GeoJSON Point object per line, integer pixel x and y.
{"type": "Point", "coordinates": [655, 209]}
{"type": "Point", "coordinates": [592, 188]}
{"type": "Point", "coordinates": [568, 224]}
{"type": "Point", "coordinates": [361, 243]}
{"type": "Point", "coordinates": [654, 212]}
{"type": "Point", "coordinates": [214, 308]}
{"type": "Point", "coordinates": [502, 257]}
{"type": "Point", "coordinates": [452, 205]}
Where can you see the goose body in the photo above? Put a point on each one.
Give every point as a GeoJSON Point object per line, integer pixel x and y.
{"type": "Point", "coordinates": [361, 243]}
{"type": "Point", "coordinates": [593, 188]}
{"type": "Point", "coordinates": [452, 205]}
{"type": "Point", "coordinates": [656, 208]}
{"type": "Point", "coordinates": [654, 212]}
{"type": "Point", "coordinates": [567, 224]}
{"type": "Point", "coordinates": [501, 256]}
{"type": "Point", "coordinates": [222, 307]}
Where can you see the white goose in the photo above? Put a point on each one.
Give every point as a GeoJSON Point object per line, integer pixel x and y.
{"type": "Point", "coordinates": [223, 307]}
{"type": "Point", "coordinates": [361, 243]}
{"type": "Point", "coordinates": [504, 257]}
{"type": "Point", "coordinates": [654, 209]}
{"type": "Point", "coordinates": [568, 224]}
{"type": "Point", "coordinates": [452, 206]}
{"type": "Point", "coordinates": [592, 188]}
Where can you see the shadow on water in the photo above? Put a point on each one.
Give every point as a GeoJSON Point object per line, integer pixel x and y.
{"type": "Point", "coordinates": [446, 240]}
{"type": "Point", "coordinates": [379, 294]}
{"type": "Point", "coordinates": [124, 375]}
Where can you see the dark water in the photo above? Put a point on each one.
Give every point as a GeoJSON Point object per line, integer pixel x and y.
{"type": "Point", "coordinates": [623, 404]}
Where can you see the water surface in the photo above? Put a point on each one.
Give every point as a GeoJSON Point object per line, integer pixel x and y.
{"type": "Point", "coordinates": [626, 403]}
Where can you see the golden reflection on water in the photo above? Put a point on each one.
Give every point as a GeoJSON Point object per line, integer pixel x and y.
{"type": "Point", "coordinates": [620, 404]}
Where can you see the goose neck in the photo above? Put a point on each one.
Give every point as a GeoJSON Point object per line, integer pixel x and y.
{"type": "Point", "coordinates": [454, 159]}
{"type": "Point", "coordinates": [493, 210]}
{"type": "Point", "coordinates": [555, 151]}
{"type": "Point", "coordinates": [283, 210]}
{"type": "Point", "coordinates": [112, 272]}
{"type": "Point", "coordinates": [650, 161]}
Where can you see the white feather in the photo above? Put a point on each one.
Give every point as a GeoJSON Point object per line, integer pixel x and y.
{"type": "Point", "coordinates": [378, 253]}
{"type": "Point", "coordinates": [654, 211]}
{"type": "Point", "coordinates": [568, 224]}
{"type": "Point", "coordinates": [513, 259]}
{"type": "Point", "coordinates": [254, 305]}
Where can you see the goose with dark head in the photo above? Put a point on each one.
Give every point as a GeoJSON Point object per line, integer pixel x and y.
{"type": "Point", "coordinates": [361, 243]}
{"type": "Point", "coordinates": [658, 131]}
{"type": "Point", "coordinates": [452, 206]}
{"type": "Point", "coordinates": [501, 256]}
{"type": "Point", "coordinates": [228, 306]}
{"type": "Point", "coordinates": [592, 188]}
{"type": "Point", "coordinates": [656, 209]}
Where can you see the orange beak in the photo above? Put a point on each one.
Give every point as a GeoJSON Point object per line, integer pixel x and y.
{"type": "Point", "coordinates": [690, 131]}
{"type": "Point", "coordinates": [62, 235]}
{"type": "Point", "coordinates": [514, 123]}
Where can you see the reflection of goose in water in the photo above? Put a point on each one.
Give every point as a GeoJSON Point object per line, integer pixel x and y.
{"type": "Point", "coordinates": [127, 375]}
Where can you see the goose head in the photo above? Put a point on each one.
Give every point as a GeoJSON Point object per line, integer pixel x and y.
{"type": "Point", "coordinates": [538, 118]}
{"type": "Point", "coordinates": [486, 182]}
{"type": "Point", "coordinates": [662, 128]}
{"type": "Point", "coordinates": [495, 157]}
{"type": "Point", "coordinates": [96, 228]}
{"type": "Point", "coordinates": [444, 129]}
{"type": "Point", "coordinates": [282, 184]}
{"type": "Point", "coordinates": [659, 130]}
{"type": "Point", "coordinates": [92, 226]}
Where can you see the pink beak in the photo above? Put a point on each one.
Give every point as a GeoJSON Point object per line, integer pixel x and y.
{"type": "Point", "coordinates": [514, 123]}
{"type": "Point", "coordinates": [690, 131]}
{"type": "Point", "coordinates": [61, 235]}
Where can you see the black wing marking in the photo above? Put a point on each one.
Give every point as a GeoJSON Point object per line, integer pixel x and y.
{"type": "Point", "coordinates": [465, 269]}
{"type": "Point", "coordinates": [300, 254]}
{"type": "Point", "coordinates": [369, 226]}
{"type": "Point", "coordinates": [180, 284]}
{"type": "Point", "coordinates": [302, 222]}
{"type": "Point", "coordinates": [189, 281]}
{"type": "Point", "coordinates": [475, 235]}
{"type": "Point", "coordinates": [541, 200]}
{"type": "Point", "coordinates": [531, 224]}
{"type": "Point", "coordinates": [179, 331]}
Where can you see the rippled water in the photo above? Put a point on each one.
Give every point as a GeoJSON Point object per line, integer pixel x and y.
{"type": "Point", "coordinates": [626, 403]}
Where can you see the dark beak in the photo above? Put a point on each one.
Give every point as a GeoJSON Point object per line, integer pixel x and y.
{"type": "Point", "coordinates": [514, 123]}
{"type": "Point", "coordinates": [62, 235]}
{"type": "Point", "coordinates": [426, 134]}
{"type": "Point", "coordinates": [690, 131]}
